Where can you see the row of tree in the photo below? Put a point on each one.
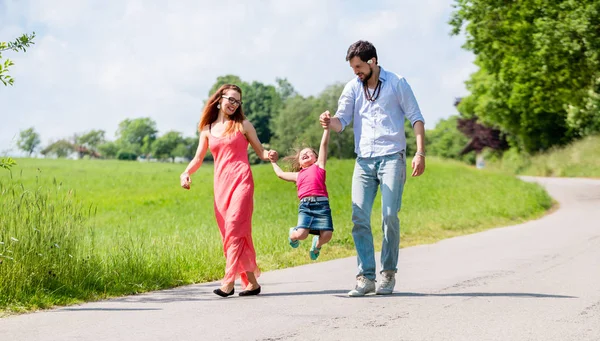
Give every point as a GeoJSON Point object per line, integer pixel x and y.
{"type": "Point", "coordinates": [538, 85]}
{"type": "Point", "coordinates": [282, 118]}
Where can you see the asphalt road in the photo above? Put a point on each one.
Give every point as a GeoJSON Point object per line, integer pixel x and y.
{"type": "Point", "coordinates": [535, 281]}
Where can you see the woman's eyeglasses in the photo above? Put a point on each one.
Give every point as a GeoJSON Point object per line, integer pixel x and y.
{"type": "Point", "coordinates": [232, 100]}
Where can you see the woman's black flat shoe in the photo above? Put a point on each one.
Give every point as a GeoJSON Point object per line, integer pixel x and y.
{"type": "Point", "coordinates": [223, 293]}
{"type": "Point", "coordinates": [250, 292]}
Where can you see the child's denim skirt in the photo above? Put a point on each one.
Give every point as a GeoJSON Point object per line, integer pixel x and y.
{"type": "Point", "coordinates": [314, 214]}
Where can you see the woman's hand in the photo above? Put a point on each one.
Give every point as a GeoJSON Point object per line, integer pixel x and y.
{"type": "Point", "coordinates": [185, 180]}
{"type": "Point", "coordinates": [273, 155]}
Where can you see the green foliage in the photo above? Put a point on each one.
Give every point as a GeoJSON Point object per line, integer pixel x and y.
{"type": "Point", "coordinates": [124, 228]}
{"type": "Point", "coordinates": [29, 140]}
{"type": "Point", "coordinates": [60, 148]}
{"type": "Point", "coordinates": [585, 119]}
{"type": "Point", "coordinates": [20, 44]}
{"type": "Point", "coordinates": [92, 139]}
{"type": "Point", "coordinates": [164, 146]}
{"type": "Point", "coordinates": [135, 136]}
{"type": "Point", "coordinates": [536, 59]}
{"type": "Point", "coordinates": [581, 158]}
{"type": "Point", "coordinates": [7, 163]}
{"type": "Point", "coordinates": [341, 145]}
{"type": "Point", "coordinates": [127, 154]}
{"type": "Point", "coordinates": [294, 121]}
{"type": "Point", "coordinates": [512, 161]}
{"type": "Point", "coordinates": [285, 89]}
{"type": "Point", "coordinates": [108, 150]}
{"type": "Point", "coordinates": [191, 145]}
{"type": "Point", "coordinates": [297, 124]}
{"type": "Point", "coordinates": [282, 118]}
{"type": "Point", "coordinates": [446, 141]}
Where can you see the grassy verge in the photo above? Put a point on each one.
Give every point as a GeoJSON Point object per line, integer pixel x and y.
{"type": "Point", "coordinates": [579, 159]}
{"type": "Point", "coordinates": [74, 231]}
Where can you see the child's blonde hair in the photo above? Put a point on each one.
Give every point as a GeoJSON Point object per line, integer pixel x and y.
{"type": "Point", "coordinates": [293, 159]}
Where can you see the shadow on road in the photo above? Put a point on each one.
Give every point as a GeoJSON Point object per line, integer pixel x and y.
{"type": "Point", "coordinates": [103, 309]}
{"type": "Point", "coordinates": [474, 294]}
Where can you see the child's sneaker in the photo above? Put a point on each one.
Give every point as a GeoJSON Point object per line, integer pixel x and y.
{"type": "Point", "coordinates": [314, 250]}
{"type": "Point", "coordinates": [293, 243]}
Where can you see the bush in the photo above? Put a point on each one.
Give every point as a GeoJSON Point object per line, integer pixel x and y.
{"type": "Point", "coordinates": [126, 155]}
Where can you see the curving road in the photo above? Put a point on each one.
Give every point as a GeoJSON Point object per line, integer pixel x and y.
{"type": "Point", "coordinates": [535, 281]}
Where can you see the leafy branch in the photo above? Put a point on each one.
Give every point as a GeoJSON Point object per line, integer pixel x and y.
{"type": "Point", "coordinates": [19, 44]}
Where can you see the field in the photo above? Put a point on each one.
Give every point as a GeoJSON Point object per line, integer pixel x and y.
{"type": "Point", "coordinates": [79, 230]}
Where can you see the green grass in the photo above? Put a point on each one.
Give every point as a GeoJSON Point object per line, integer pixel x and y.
{"type": "Point", "coordinates": [579, 159]}
{"type": "Point", "coordinates": [74, 231]}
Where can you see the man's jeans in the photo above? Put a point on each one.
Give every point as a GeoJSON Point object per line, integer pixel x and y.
{"type": "Point", "coordinates": [388, 172]}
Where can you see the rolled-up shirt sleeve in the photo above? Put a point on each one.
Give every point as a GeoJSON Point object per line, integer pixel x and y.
{"type": "Point", "coordinates": [345, 110]}
{"type": "Point", "coordinates": [408, 102]}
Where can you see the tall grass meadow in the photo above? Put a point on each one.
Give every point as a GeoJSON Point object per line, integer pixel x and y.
{"type": "Point", "coordinates": [80, 230]}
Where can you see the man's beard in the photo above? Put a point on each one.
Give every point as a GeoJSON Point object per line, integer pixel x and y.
{"type": "Point", "coordinates": [367, 77]}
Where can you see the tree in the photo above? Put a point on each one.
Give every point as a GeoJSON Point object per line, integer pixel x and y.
{"type": "Point", "coordinates": [536, 59]}
{"type": "Point", "coordinates": [480, 136]}
{"type": "Point", "coordinates": [108, 150]}
{"type": "Point", "coordinates": [446, 141]}
{"type": "Point", "coordinates": [28, 141]}
{"type": "Point", "coordinates": [191, 145]}
{"type": "Point", "coordinates": [261, 104]}
{"type": "Point", "coordinates": [133, 134]}
{"type": "Point", "coordinates": [293, 123]}
{"type": "Point", "coordinates": [180, 151]}
{"type": "Point", "coordinates": [285, 89]}
{"type": "Point", "coordinates": [341, 145]}
{"type": "Point", "coordinates": [20, 44]}
{"type": "Point", "coordinates": [164, 146]}
{"type": "Point", "coordinates": [297, 124]}
{"type": "Point", "coordinates": [585, 119]}
{"type": "Point", "coordinates": [92, 139]}
{"type": "Point", "coordinates": [61, 148]}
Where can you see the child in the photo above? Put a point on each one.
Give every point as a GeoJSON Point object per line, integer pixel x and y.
{"type": "Point", "coordinates": [314, 214]}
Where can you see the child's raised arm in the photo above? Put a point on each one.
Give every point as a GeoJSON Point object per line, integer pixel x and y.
{"type": "Point", "coordinates": [287, 176]}
{"type": "Point", "coordinates": [323, 148]}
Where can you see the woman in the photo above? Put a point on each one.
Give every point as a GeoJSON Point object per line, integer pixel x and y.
{"type": "Point", "coordinates": [224, 129]}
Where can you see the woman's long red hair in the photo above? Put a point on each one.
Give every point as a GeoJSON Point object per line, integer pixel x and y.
{"type": "Point", "coordinates": [211, 112]}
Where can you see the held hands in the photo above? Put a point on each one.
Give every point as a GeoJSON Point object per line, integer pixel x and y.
{"type": "Point", "coordinates": [273, 156]}
{"type": "Point", "coordinates": [185, 180]}
{"type": "Point", "coordinates": [325, 119]}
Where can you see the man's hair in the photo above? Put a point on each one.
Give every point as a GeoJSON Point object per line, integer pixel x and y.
{"type": "Point", "coordinates": [363, 49]}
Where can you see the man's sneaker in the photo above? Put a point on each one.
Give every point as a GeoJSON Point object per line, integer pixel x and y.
{"type": "Point", "coordinates": [363, 286]}
{"type": "Point", "coordinates": [293, 243]}
{"type": "Point", "coordinates": [388, 281]}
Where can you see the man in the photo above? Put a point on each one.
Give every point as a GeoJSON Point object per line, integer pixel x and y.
{"type": "Point", "coordinates": [378, 101]}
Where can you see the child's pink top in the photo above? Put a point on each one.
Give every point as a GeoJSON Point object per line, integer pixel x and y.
{"type": "Point", "coordinates": [311, 182]}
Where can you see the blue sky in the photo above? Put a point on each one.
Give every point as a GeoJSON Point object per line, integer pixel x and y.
{"type": "Point", "coordinates": [96, 63]}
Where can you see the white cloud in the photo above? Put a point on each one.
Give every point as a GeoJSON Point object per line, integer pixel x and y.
{"type": "Point", "coordinates": [96, 63]}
